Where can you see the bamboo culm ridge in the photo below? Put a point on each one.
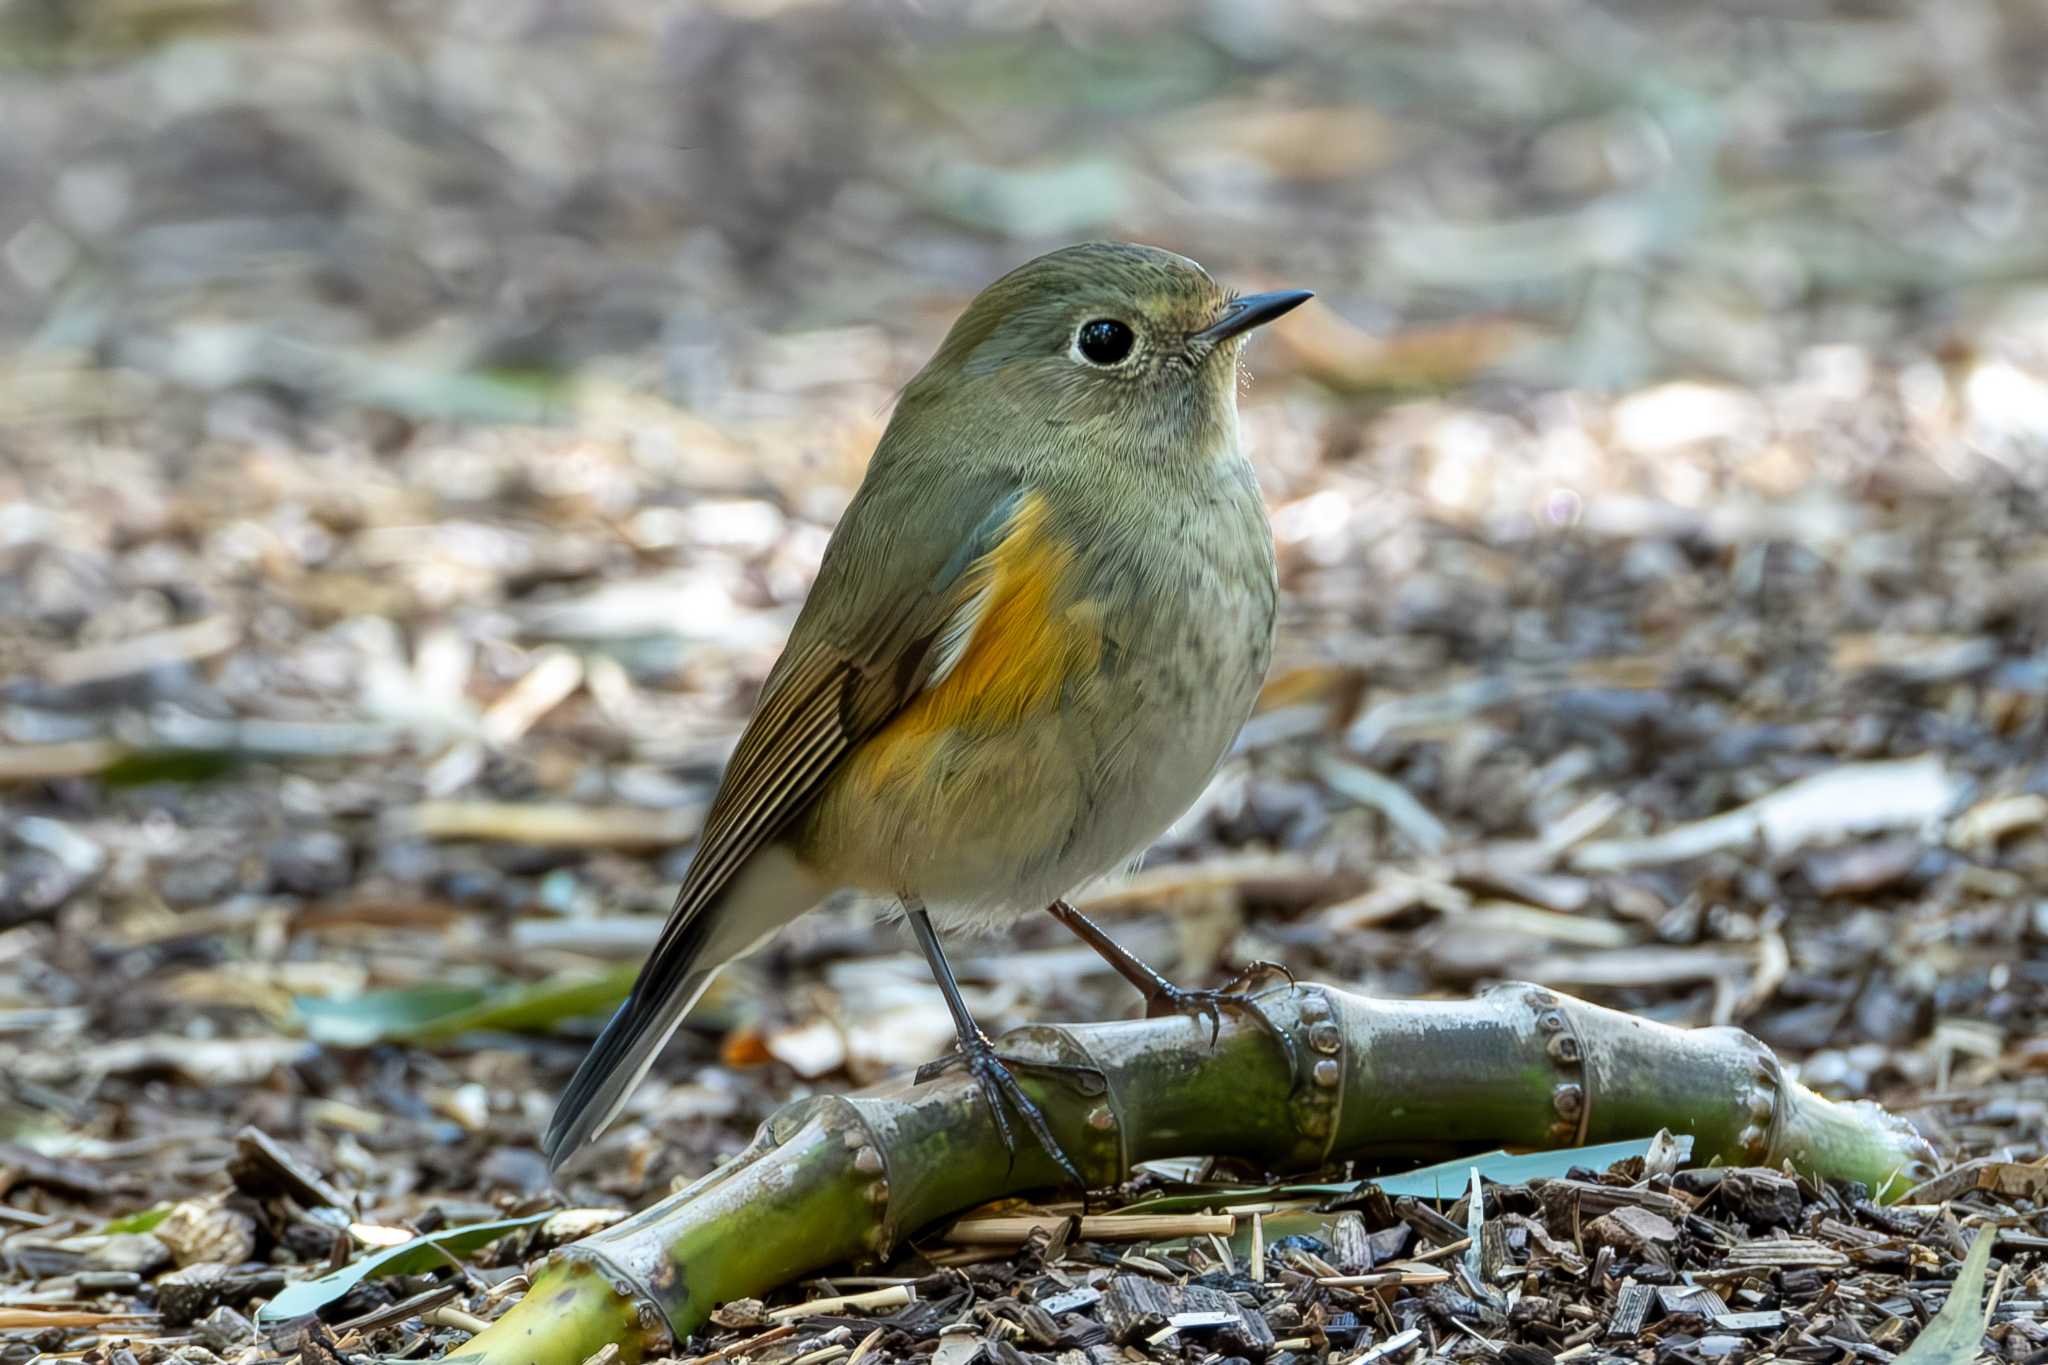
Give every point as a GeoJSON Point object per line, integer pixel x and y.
{"type": "Point", "coordinates": [1303, 1077]}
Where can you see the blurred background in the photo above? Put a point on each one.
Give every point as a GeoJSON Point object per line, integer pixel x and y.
{"type": "Point", "coordinates": [419, 423]}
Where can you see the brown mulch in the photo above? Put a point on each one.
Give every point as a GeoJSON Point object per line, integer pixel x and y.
{"type": "Point", "coordinates": [427, 422]}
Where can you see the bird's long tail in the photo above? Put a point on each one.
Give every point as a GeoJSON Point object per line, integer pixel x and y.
{"type": "Point", "coordinates": [771, 891]}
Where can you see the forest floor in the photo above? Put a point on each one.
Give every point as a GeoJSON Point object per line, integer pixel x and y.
{"type": "Point", "coordinates": [364, 675]}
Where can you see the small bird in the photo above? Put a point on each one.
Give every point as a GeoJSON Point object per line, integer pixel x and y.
{"type": "Point", "coordinates": [1034, 635]}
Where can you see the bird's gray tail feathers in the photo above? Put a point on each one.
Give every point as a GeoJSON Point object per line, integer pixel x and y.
{"type": "Point", "coordinates": [769, 892]}
{"type": "Point", "coordinates": [616, 1064]}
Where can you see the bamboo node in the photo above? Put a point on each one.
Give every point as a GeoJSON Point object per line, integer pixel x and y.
{"type": "Point", "coordinates": [1570, 1098]}
{"type": "Point", "coordinates": [1315, 1105]}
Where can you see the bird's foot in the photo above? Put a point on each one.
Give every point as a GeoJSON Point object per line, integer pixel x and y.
{"type": "Point", "coordinates": [1003, 1096]}
{"type": "Point", "coordinates": [1209, 1004]}
{"type": "Point", "coordinates": [1235, 994]}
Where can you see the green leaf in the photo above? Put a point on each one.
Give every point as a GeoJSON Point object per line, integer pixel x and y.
{"type": "Point", "coordinates": [144, 1221]}
{"type": "Point", "coordinates": [1956, 1336]}
{"type": "Point", "coordinates": [425, 1014]}
{"type": "Point", "coordinates": [380, 1016]}
{"type": "Point", "coordinates": [534, 1008]}
{"type": "Point", "coordinates": [1444, 1181]}
{"type": "Point", "coordinates": [1447, 1180]}
{"type": "Point", "coordinates": [422, 1253]}
{"type": "Point", "coordinates": [143, 767]}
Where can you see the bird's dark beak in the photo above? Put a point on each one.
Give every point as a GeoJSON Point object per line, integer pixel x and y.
{"type": "Point", "coordinates": [1253, 310]}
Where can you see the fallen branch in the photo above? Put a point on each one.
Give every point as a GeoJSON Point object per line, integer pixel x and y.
{"type": "Point", "coordinates": [1318, 1076]}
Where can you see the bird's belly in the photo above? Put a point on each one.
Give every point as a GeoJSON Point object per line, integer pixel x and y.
{"type": "Point", "coordinates": [983, 824]}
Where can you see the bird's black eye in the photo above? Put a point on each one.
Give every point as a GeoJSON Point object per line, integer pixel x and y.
{"type": "Point", "coordinates": [1105, 341]}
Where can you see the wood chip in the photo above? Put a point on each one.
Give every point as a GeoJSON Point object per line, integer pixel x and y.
{"type": "Point", "coordinates": [1071, 1301]}
{"type": "Point", "coordinates": [1856, 798]}
{"type": "Point", "coordinates": [555, 675]}
{"type": "Point", "coordinates": [1770, 1320]}
{"type": "Point", "coordinates": [1784, 1253]}
{"type": "Point", "coordinates": [201, 639]}
{"type": "Point", "coordinates": [2013, 1180]}
{"type": "Point", "coordinates": [1133, 1308]}
{"type": "Point", "coordinates": [1393, 1347]}
{"type": "Point", "coordinates": [1631, 1310]}
{"type": "Point", "coordinates": [1761, 1198]}
{"type": "Point", "coordinates": [262, 1164]}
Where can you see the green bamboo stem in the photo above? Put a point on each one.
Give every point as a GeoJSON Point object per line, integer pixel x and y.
{"type": "Point", "coordinates": [1312, 1075]}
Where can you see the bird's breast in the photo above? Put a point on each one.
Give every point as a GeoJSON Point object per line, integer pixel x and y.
{"type": "Point", "coordinates": [1031, 636]}
{"type": "Point", "coordinates": [1109, 669]}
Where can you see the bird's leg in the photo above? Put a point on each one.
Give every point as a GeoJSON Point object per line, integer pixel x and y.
{"type": "Point", "coordinates": [991, 1072]}
{"type": "Point", "coordinates": [1162, 997]}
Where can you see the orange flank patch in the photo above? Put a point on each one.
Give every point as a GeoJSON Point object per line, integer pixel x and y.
{"type": "Point", "coordinates": [1027, 644]}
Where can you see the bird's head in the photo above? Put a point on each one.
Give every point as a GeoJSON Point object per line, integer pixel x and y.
{"type": "Point", "coordinates": [1128, 350]}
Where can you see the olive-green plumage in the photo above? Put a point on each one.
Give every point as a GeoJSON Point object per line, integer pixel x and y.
{"type": "Point", "coordinates": [1034, 635]}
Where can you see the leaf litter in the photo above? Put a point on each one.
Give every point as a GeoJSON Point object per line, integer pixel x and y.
{"type": "Point", "coordinates": [365, 668]}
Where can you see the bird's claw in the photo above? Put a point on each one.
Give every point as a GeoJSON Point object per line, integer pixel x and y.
{"type": "Point", "coordinates": [1259, 967]}
{"type": "Point", "coordinates": [1001, 1093]}
{"type": "Point", "coordinates": [1209, 1003]}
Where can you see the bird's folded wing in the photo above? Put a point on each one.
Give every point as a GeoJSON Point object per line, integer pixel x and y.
{"type": "Point", "coordinates": [884, 622]}
{"type": "Point", "coordinates": [899, 597]}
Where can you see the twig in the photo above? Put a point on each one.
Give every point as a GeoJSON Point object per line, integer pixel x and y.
{"type": "Point", "coordinates": [1383, 1279]}
{"type": "Point", "coordinates": [866, 1347]}
{"type": "Point", "coordinates": [448, 1315]}
{"type": "Point", "coordinates": [1108, 1227]}
{"type": "Point", "coordinates": [821, 1355]}
{"type": "Point", "coordinates": [1438, 1253]}
{"type": "Point", "coordinates": [391, 1314]}
{"type": "Point", "coordinates": [179, 644]}
{"type": "Point", "coordinates": [69, 758]}
{"type": "Point", "coordinates": [744, 1344]}
{"type": "Point", "coordinates": [893, 1296]}
{"type": "Point", "coordinates": [32, 1319]}
{"type": "Point", "coordinates": [550, 825]}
